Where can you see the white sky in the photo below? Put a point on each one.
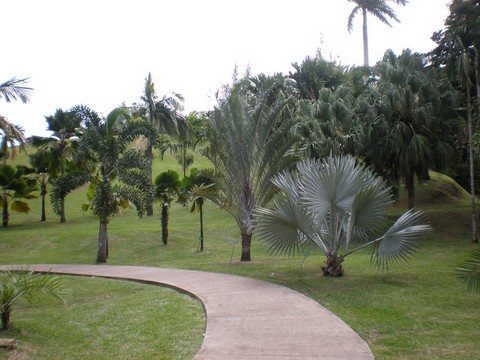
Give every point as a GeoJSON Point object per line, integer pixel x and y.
{"type": "Point", "coordinates": [99, 52]}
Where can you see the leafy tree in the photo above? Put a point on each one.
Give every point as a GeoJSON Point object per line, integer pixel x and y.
{"type": "Point", "coordinates": [16, 186]}
{"type": "Point", "coordinates": [25, 284]}
{"type": "Point", "coordinates": [248, 145]}
{"type": "Point", "coordinates": [326, 124]}
{"type": "Point", "coordinates": [411, 129]}
{"type": "Point", "coordinates": [379, 9]}
{"type": "Point", "coordinates": [314, 74]}
{"type": "Point", "coordinates": [335, 205]}
{"type": "Point", "coordinates": [60, 146]}
{"type": "Point", "coordinates": [166, 188]}
{"type": "Point", "coordinates": [458, 47]}
{"type": "Point", "coordinates": [120, 178]}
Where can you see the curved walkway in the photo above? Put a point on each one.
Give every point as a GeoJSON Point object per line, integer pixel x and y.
{"type": "Point", "coordinates": [246, 318]}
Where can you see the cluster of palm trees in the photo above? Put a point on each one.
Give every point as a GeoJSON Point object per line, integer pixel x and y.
{"type": "Point", "coordinates": [401, 118]}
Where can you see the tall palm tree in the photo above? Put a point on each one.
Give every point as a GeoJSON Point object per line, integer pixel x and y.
{"type": "Point", "coordinates": [161, 115]}
{"type": "Point", "coordinates": [335, 205]}
{"type": "Point", "coordinates": [119, 178]}
{"type": "Point", "coordinates": [248, 146]}
{"type": "Point", "coordinates": [379, 9]}
{"type": "Point", "coordinates": [60, 146]}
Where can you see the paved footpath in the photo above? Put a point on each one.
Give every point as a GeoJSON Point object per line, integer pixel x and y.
{"type": "Point", "coordinates": [246, 318]}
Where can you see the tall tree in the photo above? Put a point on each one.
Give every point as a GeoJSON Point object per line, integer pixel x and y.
{"type": "Point", "coordinates": [119, 178]}
{"type": "Point", "coordinates": [248, 146]}
{"type": "Point", "coordinates": [60, 146]}
{"type": "Point", "coordinates": [411, 131]}
{"type": "Point", "coordinates": [161, 115]}
{"type": "Point", "coordinates": [458, 48]}
{"type": "Point", "coordinates": [379, 9]}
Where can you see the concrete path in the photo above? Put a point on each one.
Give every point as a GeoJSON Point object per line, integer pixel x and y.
{"type": "Point", "coordinates": [246, 318]}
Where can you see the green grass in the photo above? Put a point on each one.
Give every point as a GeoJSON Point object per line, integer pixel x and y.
{"type": "Point", "coordinates": [414, 311]}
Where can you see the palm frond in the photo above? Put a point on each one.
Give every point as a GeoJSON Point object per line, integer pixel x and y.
{"type": "Point", "coordinates": [399, 242]}
{"type": "Point", "coordinates": [469, 271]}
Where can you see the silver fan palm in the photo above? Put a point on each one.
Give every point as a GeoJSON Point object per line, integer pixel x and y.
{"type": "Point", "coordinates": [335, 205]}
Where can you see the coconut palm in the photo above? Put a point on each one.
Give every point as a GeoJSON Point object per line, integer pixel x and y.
{"type": "Point", "coordinates": [248, 146]}
{"type": "Point", "coordinates": [60, 146]}
{"type": "Point", "coordinates": [335, 205]}
{"type": "Point", "coordinates": [377, 8]}
{"type": "Point", "coordinates": [119, 178]}
{"type": "Point", "coordinates": [12, 137]}
{"type": "Point", "coordinates": [25, 284]}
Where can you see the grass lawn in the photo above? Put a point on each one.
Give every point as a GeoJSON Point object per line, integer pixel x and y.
{"type": "Point", "coordinates": [414, 311]}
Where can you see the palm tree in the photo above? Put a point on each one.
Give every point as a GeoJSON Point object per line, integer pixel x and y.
{"type": "Point", "coordinates": [248, 146]}
{"type": "Point", "coordinates": [411, 131]}
{"type": "Point", "coordinates": [377, 8]}
{"type": "Point", "coordinates": [335, 205]}
{"type": "Point", "coordinates": [166, 188]}
{"type": "Point", "coordinates": [13, 135]}
{"type": "Point", "coordinates": [16, 185]}
{"type": "Point", "coordinates": [120, 178]}
{"type": "Point", "coordinates": [60, 146]}
{"type": "Point", "coordinates": [161, 115]}
{"type": "Point", "coordinates": [25, 284]}
{"type": "Point", "coordinates": [42, 164]}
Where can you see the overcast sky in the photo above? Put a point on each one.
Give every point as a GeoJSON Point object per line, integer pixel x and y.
{"type": "Point", "coordinates": [99, 52]}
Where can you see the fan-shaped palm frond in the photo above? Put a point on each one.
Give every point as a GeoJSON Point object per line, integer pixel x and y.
{"type": "Point", "coordinates": [469, 271]}
{"type": "Point", "coordinates": [333, 204]}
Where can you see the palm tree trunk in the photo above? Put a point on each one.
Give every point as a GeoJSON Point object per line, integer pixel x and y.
{"type": "Point", "coordinates": [246, 242]}
{"type": "Point", "coordinates": [5, 214]}
{"type": "Point", "coordinates": [149, 153]}
{"type": "Point", "coordinates": [5, 316]}
{"type": "Point", "coordinates": [102, 243]}
{"type": "Point", "coordinates": [62, 211]}
{"type": "Point", "coordinates": [471, 163]}
{"type": "Point", "coordinates": [333, 266]}
{"type": "Point", "coordinates": [200, 208]}
{"type": "Point", "coordinates": [165, 223]}
{"type": "Point", "coordinates": [43, 193]}
{"type": "Point", "coordinates": [366, 62]}
{"type": "Point", "coordinates": [410, 186]}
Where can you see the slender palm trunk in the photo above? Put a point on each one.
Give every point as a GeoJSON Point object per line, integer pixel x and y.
{"type": "Point", "coordinates": [102, 242]}
{"type": "Point", "coordinates": [245, 220]}
{"type": "Point", "coordinates": [165, 223]}
{"type": "Point", "coordinates": [5, 214]}
{"type": "Point", "coordinates": [366, 62]}
{"type": "Point", "coordinates": [471, 163]}
{"type": "Point", "coordinates": [62, 173]}
{"type": "Point", "coordinates": [43, 192]}
{"type": "Point", "coordinates": [410, 186]}
{"type": "Point", "coordinates": [200, 208]}
{"type": "Point", "coordinates": [149, 153]}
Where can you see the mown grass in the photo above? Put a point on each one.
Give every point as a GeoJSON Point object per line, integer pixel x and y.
{"type": "Point", "coordinates": [415, 310]}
